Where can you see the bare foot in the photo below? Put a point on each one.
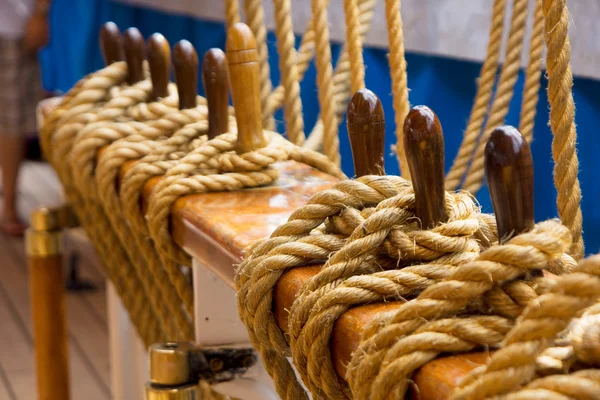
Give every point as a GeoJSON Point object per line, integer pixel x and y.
{"type": "Point", "coordinates": [12, 226]}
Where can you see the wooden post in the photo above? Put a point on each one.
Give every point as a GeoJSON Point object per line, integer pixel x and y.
{"type": "Point", "coordinates": [159, 60]}
{"type": "Point", "coordinates": [244, 73]}
{"type": "Point", "coordinates": [215, 77]}
{"type": "Point", "coordinates": [44, 252]}
{"type": "Point", "coordinates": [185, 62]}
{"type": "Point", "coordinates": [509, 172]}
{"type": "Point", "coordinates": [424, 146]}
{"type": "Point", "coordinates": [366, 129]}
{"type": "Point", "coordinates": [133, 44]}
{"type": "Point", "coordinates": [111, 43]}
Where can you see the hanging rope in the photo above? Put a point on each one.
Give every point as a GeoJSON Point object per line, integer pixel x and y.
{"type": "Point", "coordinates": [255, 14]}
{"type": "Point", "coordinates": [232, 13]}
{"type": "Point", "coordinates": [562, 119]}
{"type": "Point", "coordinates": [354, 43]}
{"type": "Point", "coordinates": [533, 74]}
{"type": "Point", "coordinates": [398, 75]}
{"type": "Point", "coordinates": [503, 95]}
{"type": "Point", "coordinates": [485, 85]}
{"type": "Point", "coordinates": [331, 142]}
{"type": "Point", "coordinates": [289, 72]}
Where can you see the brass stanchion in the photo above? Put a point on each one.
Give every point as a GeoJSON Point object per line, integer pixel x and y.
{"type": "Point", "coordinates": [44, 251]}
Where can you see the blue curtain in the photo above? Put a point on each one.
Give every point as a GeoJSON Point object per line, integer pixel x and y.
{"type": "Point", "coordinates": [446, 85]}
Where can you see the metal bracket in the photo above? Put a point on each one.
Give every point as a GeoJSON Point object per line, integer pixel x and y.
{"type": "Point", "coordinates": [177, 368]}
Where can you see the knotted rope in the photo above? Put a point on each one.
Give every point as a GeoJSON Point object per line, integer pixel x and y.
{"type": "Point", "coordinates": [358, 228]}
{"type": "Point", "coordinates": [513, 366]}
{"type": "Point", "coordinates": [394, 346]}
{"type": "Point", "coordinates": [63, 124]}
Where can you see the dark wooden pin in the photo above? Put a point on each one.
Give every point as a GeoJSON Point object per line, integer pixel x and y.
{"type": "Point", "coordinates": [111, 43]}
{"type": "Point", "coordinates": [366, 129]}
{"type": "Point", "coordinates": [509, 172]}
{"type": "Point", "coordinates": [244, 75]}
{"type": "Point", "coordinates": [159, 60]}
{"type": "Point", "coordinates": [133, 43]}
{"type": "Point", "coordinates": [424, 146]}
{"type": "Point", "coordinates": [185, 63]}
{"type": "Point", "coordinates": [215, 78]}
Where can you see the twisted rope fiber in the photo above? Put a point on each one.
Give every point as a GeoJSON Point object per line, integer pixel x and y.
{"type": "Point", "coordinates": [95, 136]}
{"type": "Point", "coordinates": [149, 326]}
{"type": "Point", "coordinates": [514, 365]}
{"type": "Point", "coordinates": [331, 142]}
{"type": "Point", "coordinates": [289, 72]}
{"type": "Point", "coordinates": [341, 76]}
{"type": "Point", "coordinates": [108, 241]}
{"type": "Point", "coordinates": [503, 95]}
{"type": "Point", "coordinates": [141, 252]}
{"type": "Point", "coordinates": [397, 344]}
{"type": "Point", "coordinates": [485, 85]}
{"type": "Point", "coordinates": [562, 120]}
{"type": "Point", "coordinates": [215, 166]}
{"type": "Point", "coordinates": [88, 91]}
{"type": "Point", "coordinates": [339, 285]}
{"type": "Point", "coordinates": [255, 14]}
{"type": "Point", "coordinates": [97, 88]}
{"type": "Point", "coordinates": [357, 65]}
{"type": "Point", "coordinates": [144, 318]}
{"type": "Point", "coordinates": [399, 79]}
{"type": "Point", "coordinates": [157, 163]}
{"type": "Point", "coordinates": [289, 246]}
{"type": "Point", "coordinates": [294, 245]}
{"type": "Point", "coordinates": [232, 13]}
{"type": "Point", "coordinates": [533, 74]}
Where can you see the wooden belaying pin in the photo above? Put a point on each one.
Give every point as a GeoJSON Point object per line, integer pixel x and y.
{"type": "Point", "coordinates": [185, 63]}
{"type": "Point", "coordinates": [215, 78]}
{"type": "Point", "coordinates": [244, 75]}
{"type": "Point", "coordinates": [366, 129]}
{"type": "Point", "coordinates": [133, 44]}
{"type": "Point", "coordinates": [111, 43]}
{"type": "Point", "coordinates": [509, 173]}
{"type": "Point", "coordinates": [158, 53]}
{"type": "Point", "coordinates": [424, 145]}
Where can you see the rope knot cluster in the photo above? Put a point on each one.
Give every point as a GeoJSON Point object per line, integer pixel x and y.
{"type": "Point", "coordinates": [462, 289]}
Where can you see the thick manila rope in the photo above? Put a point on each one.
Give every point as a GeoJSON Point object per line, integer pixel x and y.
{"type": "Point", "coordinates": [485, 86]}
{"type": "Point", "coordinates": [395, 345]}
{"type": "Point", "coordinates": [503, 95]}
{"type": "Point", "coordinates": [98, 180]}
{"type": "Point", "coordinates": [421, 257]}
{"type": "Point", "coordinates": [303, 240]}
{"type": "Point", "coordinates": [96, 90]}
{"type": "Point", "coordinates": [514, 365]}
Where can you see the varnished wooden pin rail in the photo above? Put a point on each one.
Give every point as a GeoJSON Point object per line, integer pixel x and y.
{"type": "Point", "coordinates": [215, 228]}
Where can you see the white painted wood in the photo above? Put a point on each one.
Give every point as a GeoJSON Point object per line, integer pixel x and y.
{"type": "Point", "coordinates": [218, 324]}
{"type": "Point", "coordinates": [129, 371]}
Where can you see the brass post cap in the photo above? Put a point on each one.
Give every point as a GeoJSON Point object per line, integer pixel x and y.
{"type": "Point", "coordinates": [186, 392]}
{"type": "Point", "coordinates": [43, 244]}
{"type": "Point", "coordinates": [170, 363]}
{"type": "Point", "coordinates": [45, 219]}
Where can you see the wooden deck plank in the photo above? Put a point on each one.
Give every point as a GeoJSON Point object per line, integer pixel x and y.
{"type": "Point", "coordinates": [85, 380]}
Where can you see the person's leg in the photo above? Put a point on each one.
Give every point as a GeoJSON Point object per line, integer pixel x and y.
{"type": "Point", "coordinates": [11, 156]}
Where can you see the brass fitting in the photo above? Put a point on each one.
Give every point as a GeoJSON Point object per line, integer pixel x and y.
{"type": "Point", "coordinates": [186, 392]}
{"type": "Point", "coordinates": [179, 369]}
{"type": "Point", "coordinates": [43, 244]}
{"type": "Point", "coordinates": [45, 219]}
{"type": "Point", "coordinates": [171, 376]}
{"type": "Point", "coordinates": [44, 237]}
